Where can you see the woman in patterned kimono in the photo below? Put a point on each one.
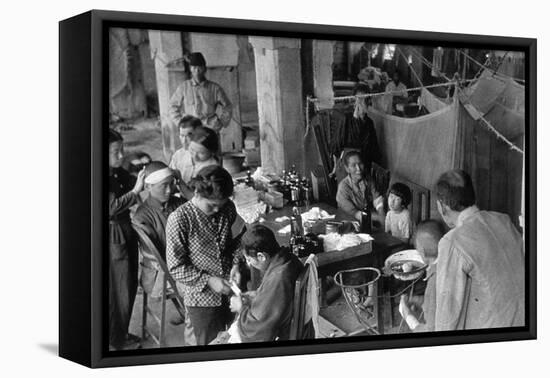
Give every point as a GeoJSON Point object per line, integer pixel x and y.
{"type": "Point", "coordinates": [123, 252]}
{"type": "Point", "coordinates": [200, 251]}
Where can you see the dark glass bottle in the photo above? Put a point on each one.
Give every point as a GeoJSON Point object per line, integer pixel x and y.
{"type": "Point", "coordinates": [307, 192]}
{"type": "Point", "coordinates": [366, 220]}
{"type": "Point", "coordinates": [297, 240]}
{"type": "Point", "coordinates": [299, 226]}
{"type": "Point", "coordinates": [284, 186]}
{"type": "Point", "coordinates": [249, 180]}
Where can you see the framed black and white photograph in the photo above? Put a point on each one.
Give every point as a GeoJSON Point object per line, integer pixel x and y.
{"type": "Point", "coordinates": [254, 188]}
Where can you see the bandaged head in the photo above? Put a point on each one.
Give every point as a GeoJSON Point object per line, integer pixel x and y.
{"type": "Point", "coordinates": [157, 172]}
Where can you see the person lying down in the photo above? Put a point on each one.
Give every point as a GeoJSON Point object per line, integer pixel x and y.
{"type": "Point", "coordinates": [266, 314]}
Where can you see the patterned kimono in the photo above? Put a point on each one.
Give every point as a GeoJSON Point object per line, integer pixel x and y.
{"type": "Point", "coordinates": [199, 246]}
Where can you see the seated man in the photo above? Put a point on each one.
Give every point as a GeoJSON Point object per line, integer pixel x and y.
{"type": "Point", "coordinates": [426, 240]}
{"type": "Point", "coordinates": [266, 314]}
{"type": "Point", "coordinates": [153, 214]}
{"type": "Point", "coordinates": [356, 194]}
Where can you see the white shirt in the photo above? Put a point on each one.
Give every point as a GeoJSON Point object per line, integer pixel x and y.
{"type": "Point", "coordinates": [183, 162]}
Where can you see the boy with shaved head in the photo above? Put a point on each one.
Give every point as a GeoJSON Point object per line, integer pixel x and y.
{"type": "Point", "coordinates": [152, 214]}
{"type": "Point", "coordinates": [426, 240]}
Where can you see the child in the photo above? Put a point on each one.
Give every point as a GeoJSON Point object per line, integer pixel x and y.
{"type": "Point", "coordinates": [267, 314]}
{"type": "Point", "coordinates": [426, 241]}
{"type": "Point", "coordinates": [201, 251]}
{"type": "Point", "coordinates": [152, 214]}
{"type": "Point", "coordinates": [398, 218]}
{"type": "Point", "coordinates": [123, 253]}
{"type": "Point", "coordinates": [186, 126]}
{"type": "Point", "coordinates": [201, 153]}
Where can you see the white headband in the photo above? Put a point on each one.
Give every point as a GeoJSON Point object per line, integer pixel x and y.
{"type": "Point", "coordinates": [158, 176]}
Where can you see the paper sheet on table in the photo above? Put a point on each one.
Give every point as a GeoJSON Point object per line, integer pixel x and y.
{"type": "Point", "coordinates": [337, 242]}
{"type": "Point", "coordinates": [316, 213]}
{"type": "Point", "coordinates": [284, 230]}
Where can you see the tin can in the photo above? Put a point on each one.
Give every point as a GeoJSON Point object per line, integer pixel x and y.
{"type": "Point", "coordinates": [331, 227]}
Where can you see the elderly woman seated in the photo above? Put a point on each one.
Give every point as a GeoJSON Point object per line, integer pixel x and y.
{"type": "Point", "coordinates": [356, 193]}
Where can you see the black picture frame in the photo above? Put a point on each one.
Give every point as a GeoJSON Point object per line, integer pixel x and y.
{"type": "Point", "coordinates": [83, 70]}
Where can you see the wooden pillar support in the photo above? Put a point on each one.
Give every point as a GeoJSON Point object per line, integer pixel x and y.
{"type": "Point", "coordinates": [166, 46]}
{"type": "Point", "coordinates": [323, 59]}
{"type": "Point", "coordinates": [280, 103]}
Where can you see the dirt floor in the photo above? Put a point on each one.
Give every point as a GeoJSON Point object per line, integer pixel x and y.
{"type": "Point", "coordinates": [174, 334]}
{"type": "Point", "coordinates": [142, 135]}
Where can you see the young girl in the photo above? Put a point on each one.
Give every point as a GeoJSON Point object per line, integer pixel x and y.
{"type": "Point", "coordinates": [398, 218]}
{"type": "Point", "coordinates": [202, 151]}
{"type": "Point", "coordinates": [200, 251]}
{"type": "Point", "coordinates": [123, 252]}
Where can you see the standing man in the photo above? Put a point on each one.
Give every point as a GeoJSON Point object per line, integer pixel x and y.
{"type": "Point", "coordinates": [481, 264]}
{"type": "Point", "coordinates": [201, 98]}
{"type": "Point", "coordinates": [399, 95]}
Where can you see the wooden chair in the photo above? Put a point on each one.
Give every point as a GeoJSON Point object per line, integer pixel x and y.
{"type": "Point", "coordinates": [419, 207]}
{"type": "Point", "coordinates": [169, 290]}
{"type": "Point", "coordinates": [301, 326]}
{"type": "Point", "coordinates": [381, 178]}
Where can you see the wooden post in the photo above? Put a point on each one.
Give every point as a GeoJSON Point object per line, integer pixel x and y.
{"type": "Point", "coordinates": [280, 105]}
{"type": "Point", "coordinates": [166, 46]}
{"type": "Point", "coordinates": [323, 58]}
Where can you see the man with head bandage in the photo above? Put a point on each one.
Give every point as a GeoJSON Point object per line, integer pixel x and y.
{"type": "Point", "coordinates": [152, 214]}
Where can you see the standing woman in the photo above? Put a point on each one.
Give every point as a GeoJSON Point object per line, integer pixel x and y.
{"type": "Point", "coordinates": [123, 252]}
{"type": "Point", "coordinates": [200, 251]}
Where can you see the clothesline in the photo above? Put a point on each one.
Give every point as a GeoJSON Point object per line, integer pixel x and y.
{"type": "Point", "coordinates": [315, 101]}
{"type": "Point", "coordinates": [352, 97]}
{"type": "Point", "coordinates": [487, 68]}
{"type": "Point", "coordinates": [481, 117]}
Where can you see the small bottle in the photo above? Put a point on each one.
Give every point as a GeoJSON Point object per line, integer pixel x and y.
{"type": "Point", "coordinates": [295, 195]}
{"type": "Point", "coordinates": [249, 180]}
{"type": "Point", "coordinates": [307, 192]}
{"type": "Point", "coordinates": [284, 186]}
{"type": "Point", "coordinates": [293, 170]}
{"type": "Point", "coordinates": [294, 237]}
{"type": "Point", "coordinates": [366, 221]}
{"type": "Point", "coordinates": [298, 217]}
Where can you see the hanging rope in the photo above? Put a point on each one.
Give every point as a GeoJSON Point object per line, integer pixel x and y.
{"type": "Point", "coordinates": [482, 66]}
{"type": "Point", "coordinates": [487, 123]}
{"type": "Point", "coordinates": [353, 97]}
{"type": "Point", "coordinates": [316, 101]}
{"type": "Point", "coordinates": [308, 100]}
{"type": "Point", "coordinates": [457, 83]}
{"type": "Point", "coordinates": [410, 65]}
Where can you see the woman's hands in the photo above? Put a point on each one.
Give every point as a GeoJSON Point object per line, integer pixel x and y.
{"type": "Point", "coordinates": [235, 275]}
{"type": "Point", "coordinates": [140, 182]}
{"type": "Point", "coordinates": [219, 285]}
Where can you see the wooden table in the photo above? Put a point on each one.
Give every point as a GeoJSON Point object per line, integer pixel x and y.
{"type": "Point", "coordinates": [329, 263]}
